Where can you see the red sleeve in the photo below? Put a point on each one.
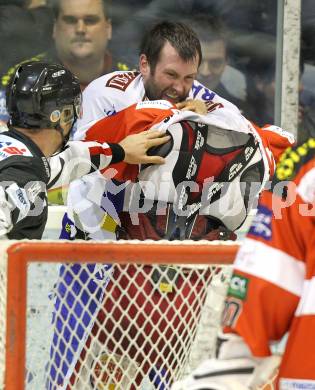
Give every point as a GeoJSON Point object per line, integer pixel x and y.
{"type": "Point", "coordinates": [116, 127]}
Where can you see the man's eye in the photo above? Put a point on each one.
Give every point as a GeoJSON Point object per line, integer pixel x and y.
{"type": "Point", "coordinates": [69, 19]}
{"type": "Point", "coordinates": [88, 20]}
{"type": "Point", "coordinates": [91, 20]}
{"type": "Point", "coordinates": [216, 63]}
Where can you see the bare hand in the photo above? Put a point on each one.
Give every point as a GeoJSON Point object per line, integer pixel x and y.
{"type": "Point", "coordinates": [197, 106]}
{"type": "Point", "coordinates": [137, 145]}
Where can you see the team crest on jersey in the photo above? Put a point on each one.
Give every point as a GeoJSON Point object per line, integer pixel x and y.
{"type": "Point", "coordinates": [261, 225]}
{"type": "Point", "coordinates": [121, 80]}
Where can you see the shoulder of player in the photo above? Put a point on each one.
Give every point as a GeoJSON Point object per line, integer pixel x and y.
{"type": "Point", "coordinates": [10, 146]}
{"type": "Point", "coordinates": [22, 155]}
{"type": "Point", "coordinates": [296, 161]}
{"type": "Point", "coordinates": [200, 91]}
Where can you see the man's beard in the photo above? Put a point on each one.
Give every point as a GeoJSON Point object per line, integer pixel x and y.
{"type": "Point", "coordinates": [153, 92]}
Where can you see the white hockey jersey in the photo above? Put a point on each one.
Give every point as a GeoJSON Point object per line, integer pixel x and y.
{"type": "Point", "coordinates": [115, 91]}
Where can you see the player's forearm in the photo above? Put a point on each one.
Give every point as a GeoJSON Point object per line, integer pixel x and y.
{"type": "Point", "coordinates": [80, 159]}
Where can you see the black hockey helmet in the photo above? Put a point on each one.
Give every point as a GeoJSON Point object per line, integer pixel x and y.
{"type": "Point", "coordinates": [38, 94]}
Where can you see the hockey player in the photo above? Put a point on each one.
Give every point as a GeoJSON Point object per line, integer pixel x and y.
{"type": "Point", "coordinates": [271, 290]}
{"type": "Point", "coordinates": [220, 147]}
{"type": "Point", "coordinates": [44, 100]}
{"type": "Point", "coordinates": [170, 54]}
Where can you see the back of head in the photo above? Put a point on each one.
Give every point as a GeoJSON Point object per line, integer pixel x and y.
{"type": "Point", "coordinates": [38, 94]}
{"type": "Point", "coordinates": [178, 34]}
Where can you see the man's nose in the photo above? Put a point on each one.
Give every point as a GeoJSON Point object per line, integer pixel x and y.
{"type": "Point", "coordinates": [179, 86]}
{"type": "Point", "coordinates": [204, 69]}
{"type": "Point", "coordinates": [80, 26]}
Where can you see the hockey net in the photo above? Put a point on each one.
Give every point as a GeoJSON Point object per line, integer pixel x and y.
{"type": "Point", "coordinates": [123, 315]}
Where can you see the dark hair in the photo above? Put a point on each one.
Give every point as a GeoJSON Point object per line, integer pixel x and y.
{"type": "Point", "coordinates": [19, 3]}
{"type": "Point", "coordinates": [55, 6]}
{"type": "Point", "coordinates": [179, 35]}
{"type": "Point", "coordinates": [208, 28]}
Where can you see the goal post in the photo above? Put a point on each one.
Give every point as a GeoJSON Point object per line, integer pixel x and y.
{"type": "Point", "coordinates": [110, 315]}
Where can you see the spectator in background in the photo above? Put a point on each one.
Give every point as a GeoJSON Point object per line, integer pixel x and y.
{"type": "Point", "coordinates": [17, 34]}
{"type": "Point", "coordinates": [261, 98]}
{"type": "Point", "coordinates": [42, 24]}
{"type": "Point", "coordinates": [214, 71]}
{"type": "Point", "coordinates": [81, 32]}
{"type": "Point", "coordinates": [19, 40]}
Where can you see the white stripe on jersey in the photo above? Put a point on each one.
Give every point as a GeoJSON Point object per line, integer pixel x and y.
{"type": "Point", "coordinates": [306, 187]}
{"type": "Point", "coordinates": [272, 265]}
{"type": "Point", "coordinates": [307, 303]}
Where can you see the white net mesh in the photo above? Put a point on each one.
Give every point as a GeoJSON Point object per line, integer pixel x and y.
{"type": "Point", "coordinates": [132, 326]}
{"type": "Point", "coordinates": [127, 325]}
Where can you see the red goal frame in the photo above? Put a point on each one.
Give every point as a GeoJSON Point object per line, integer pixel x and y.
{"type": "Point", "coordinates": [20, 254]}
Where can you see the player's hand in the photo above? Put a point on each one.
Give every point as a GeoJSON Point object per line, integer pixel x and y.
{"type": "Point", "coordinates": [137, 145]}
{"type": "Point", "coordinates": [197, 106]}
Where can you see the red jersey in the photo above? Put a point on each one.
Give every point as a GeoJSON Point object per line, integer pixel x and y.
{"type": "Point", "coordinates": [160, 114]}
{"type": "Point", "coordinates": [272, 290]}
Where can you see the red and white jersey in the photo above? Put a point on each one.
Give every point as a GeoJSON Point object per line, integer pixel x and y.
{"type": "Point", "coordinates": [78, 159]}
{"type": "Point", "coordinates": [115, 91]}
{"type": "Point", "coordinates": [160, 115]}
{"type": "Point", "coordinates": [273, 285]}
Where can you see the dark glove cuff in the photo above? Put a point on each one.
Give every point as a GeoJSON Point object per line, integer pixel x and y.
{"type": "Point", "coordinates": [117, 152]}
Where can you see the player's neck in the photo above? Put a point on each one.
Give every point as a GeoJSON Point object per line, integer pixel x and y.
{"type": "Point", "coordinates": [47, 140]}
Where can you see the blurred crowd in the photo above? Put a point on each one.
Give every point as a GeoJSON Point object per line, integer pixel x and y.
{"type": "Point", "coordinates": [238, 42]}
